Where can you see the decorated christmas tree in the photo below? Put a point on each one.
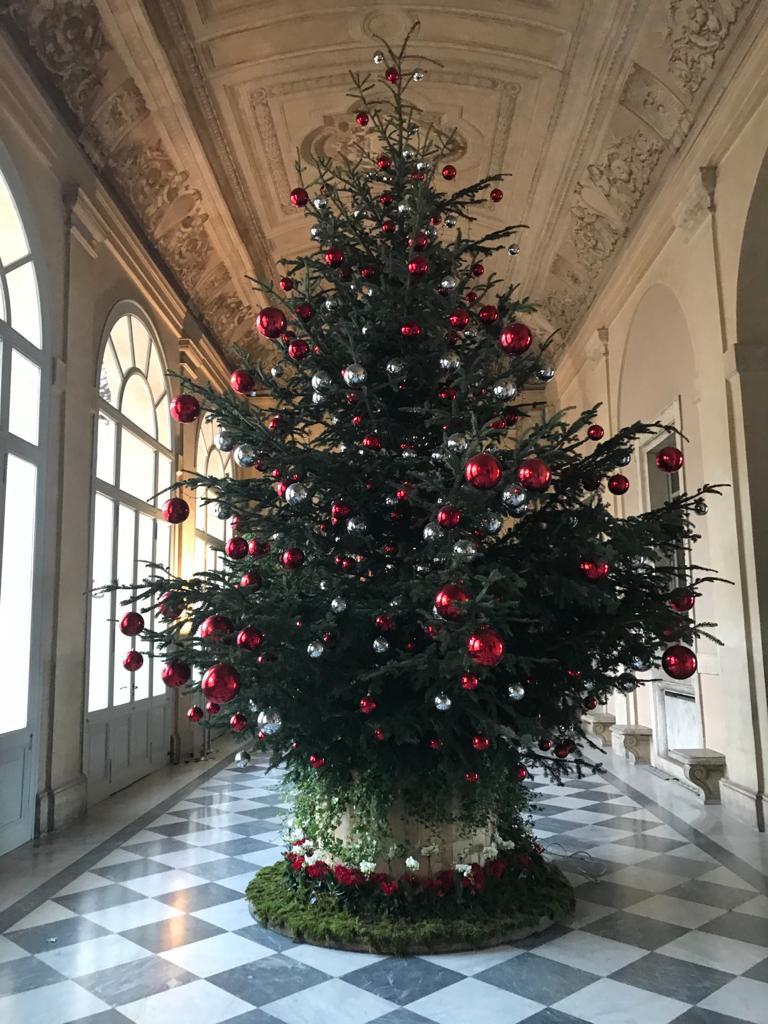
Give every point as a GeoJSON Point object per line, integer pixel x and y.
{"type": "Point", "coordinates": [426, 582]}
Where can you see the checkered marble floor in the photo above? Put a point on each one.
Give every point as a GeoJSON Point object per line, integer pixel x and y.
{"type": "Point", "coordinates": [158, 931]}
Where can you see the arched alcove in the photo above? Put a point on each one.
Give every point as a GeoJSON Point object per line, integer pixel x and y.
{"type": "Point", "coordinates": [751, 291]}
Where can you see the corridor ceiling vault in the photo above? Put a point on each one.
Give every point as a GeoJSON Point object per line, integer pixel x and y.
{"type": "Point", "coordinates": [193, 110]}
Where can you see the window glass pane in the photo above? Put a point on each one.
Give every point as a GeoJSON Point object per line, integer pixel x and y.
{"type": "Point", "coordinates": [16, 588]}
{"type": "Point", "coordinates": [121, 339]}
{"type": "Point", "coordinates": [137, 466]}
{"type": "Point", "coordinates": [144, 555]}
{"type": "Point", "coordinates": [110, 377]}
{"type": "Point", "coordinates": [163, 422]}
{"type": "Point", "coordinates": [105, 449]}
{"type": "Point", "coordinates": [156, 374]}
{"type": "Point", "coordinates": [200, 547]}
{"type": "Point", "coordinates": [141, 344]}
{"type": "Point", "coordinates": [13, 242]}
{"type": "Point", "coordinates": [101, 606]}
{"type": "Point", "coordinates": [216, 526]}
{"type": "Point", "coordinates": [163, 477]}
{"type": "Point", "coordinates": [125, 574]}
{"type": "Point", "coordinates": [163, 550]}
{"type": "Point", "coordinates": [25, 304]}
{"type": "Point", "coordinates": [3, 310]}
{"type": "Point", "coordinates": [24, 406]}
{"type": "Point", "coordinates": [137, 404]}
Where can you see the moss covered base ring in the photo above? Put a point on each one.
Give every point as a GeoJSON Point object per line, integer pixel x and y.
{"type": "Point", "coordinates": [460, 928]}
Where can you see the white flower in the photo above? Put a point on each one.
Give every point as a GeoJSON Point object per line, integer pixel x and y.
{"type": "Point", "coordinates": [315, 856]}
{"type": "Point", "coordinates": [367, 866]}
{"type": "Point", "coordinates": [464, 869]}
{"type": "Point", "coordinates": [490, 852]}
{"type": "Point", "coordinates": [429, 851]}
{"type": "Point", "coordinates": [296, 834]}
{"type": "Point", "coordinates": [505, 844]}
{"type": "Point", "coordinates": [411, 863]}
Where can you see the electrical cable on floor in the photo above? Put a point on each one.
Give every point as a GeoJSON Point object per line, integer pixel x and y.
{"type": "Point", "coordinates": [580, 862]}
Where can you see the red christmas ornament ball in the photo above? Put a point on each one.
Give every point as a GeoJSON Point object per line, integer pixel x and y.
{"type": "Point", "coordinates": [515, 338]}
{"type": "Point", "coordinates": [340, 510]}
{"type": "Point", "coordinates": [378, 734]}
{"type": "Point", "coordinates": [522, 773]}
{"type": "Point", "coordinates": [386, 199]}
{"type": "Point", "coordinates": [286, 283]}
{"type": "Point", "coordinates": [618, 484]}
{"type": "Point", "coordinates": [250, 579]}
{"type": "Point", "coordinates": [593, 570]}
{"type": "Point", "coordinates": [480, 742]}
{"type": "Point", "coordinates": [369, 273]}
{"type": "Point", "coordinates": [220, 683]}
{"type": "Point", "coordinates": [292, 558]}
{"type": "Point", "coordinates": [449, 600]}
{"type": "Point", "coordinates": [383, 162]}
{"type": "Point", "coordinates": [384, 623]}
{"type": "Point", "coordinates": [212, 707]}
{"type": "Point", "coordinates": [271, 322]}
{"type": "Point", "coordinates": [238, 722]}
{"type": "Point", "coordinates": [478, 270]}
{"type": "Point", "coordinates": [562, 750]}
{"type": "Point", "coordinates": [236, 547]}
{"type": "Point", "coordinates": [449, 172]}
{"type": "Point", "coordinates": [670, 459]}
{"type": "Point", "coordinates": [496, 195]}
{"type": "Point", "coordinates": [131, 624]}
{"type": "Point", "coordinates": [488, 314]}
{"type": "Point", "coordinates": [482, 471]}
{"type": "Point", "coordinates": [175, 510]}
{"type": "Point", "coordinates": [133, 661]}
{"type": "Point", "coordinates": [534, 474]}
{"type": "Point", "coordinates": [170, 606]}
{"type": "Point", "coordinates": [299, 196]}
{"type": "Point", "coordinates": [388, 227]}
{"type": "Point", "coordinates": [392, 75]}
{"type": "Point", "coordinates": [176, 673]}
{"type": "Point", "coordinates": [367, 705]}
{"type": "Point", "coordinates": [471, 777]}
{"type": "Point", "coordinates": [590, 703]}
{"type": "Point", "coordinates": [418, 266]}
{"type": "Point", "coordinates": [595, 432]}
{"type": "Point", "coordinates": [372, 442]}
{"type": "Point", "coordinates": [485, 646]}
{"type": "Point", "coordinates": [185, 408]}
{"type": "Point", "coordinates": [276, 424]}
{"type": "Point", "coordinates": [545, 743]}
{"type": "Point", "coordinates": [316, 761]}
{"type": "Point", "coordinates": [410, 329]}
{"type": "Point", "coordinates": [334, 257]}
{"type": "Point", "coordinates": [298, 349]}
{"type": "Point", "coordinates": [418, 241]}
{"type": "Point", "coordinates": [679, 662]}
{"type": "Point", "coordinates": [195, 713]}
{"type": "Point", "coordinates": [250, 638]}
{"type": "Point", "coordinates": [449, 517]}
{"type": "Point", "coordinates": [242, 381]}
{"type": "Point", "coordinates": [362, 119]}
{"type": "Point", "coordinates": [459, 317]}
{"type": "Point", "coordinates": [469, 682]}
{"type": "Point", "coordinates": [680, 600]}
{"type": "Point", "coordinates": [304, 311]}
{"type": "Point", "coordinates": [216, 627]}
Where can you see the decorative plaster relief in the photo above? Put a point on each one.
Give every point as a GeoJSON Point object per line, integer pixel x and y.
{"type": "Point", "coordinates": [696, 31]}
{"type": "Point", "coordinates": [622, 174]}
{"type": "Point", "coordinates": [649, 99]}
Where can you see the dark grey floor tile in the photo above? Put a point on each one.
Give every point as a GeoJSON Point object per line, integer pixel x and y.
{"type": "Point", "coordinates": [236, 847]}
{"type": "Point", "coordinates": [100, 898]}
{"type": "Point", "coordinates": [106, 1017]}
{"type": "Point", "coordinates": [266, 937]}
{"type": "Point", "coordinates": [746, 927]}
{"type": "Point", "coordinates": [618, 810]}
{"type": "Point", "coordinates": [155, 847]}
{"type": "Point", "coordinates": [175, 829]}
{"type": "Point", "coordinates": [686, 867]}
{"type": "Point", "coordinates": [541, 938]}
{"type": "Point", "coordinates": [125, 983]}
{"type": "Point", "coordinates": [537, 977]}
{"type": "Point", "coordinates": [177, 931]}
{"type": "Point", "coordinates": [254, 828]}
{"type": "Point", "coordinates": [24, 974]}
{"type": "Point", "coordinates": [610, 894]}
{"type": "Point", "coordinates": [759, 972]}
{"type": "Point", "coordinates": [655, 843]}
{"type": "Point", "coordinates": [252, 1017]}
{"type": "Point", "coordinates": [698, 1015]}
{"type": "Point", "coordinates": [46, 937]}
{"type": "Point", "coordinates": [547, 810]}
{"type": "Point", "coordinates": [268, 979]}
{"type": "Point", "coordinates": [271, 811]}
{"type": "Point", "coordinates": [550, 1016]}
{"type": "Point", "coordinates": [627, 824]}
{"type": "Point", "coordinates": [710, 893]}
{"type": "Point", "coordinates": [402, 981]}
{"type": "Point", "coordinates": [131, 869]}
{"type": "Point", "coordinates": [225, 867]}
{"type": "Point", "coordinates": [199, 897]}
{"type": "Point", "coordinates": [554, 825]}
{"type": "Point", "coordinates": [668, 976]}
{"type": "Point", "coordinates": [635, 929]}
{"type": "Point", "coordinates": [402, 1016]}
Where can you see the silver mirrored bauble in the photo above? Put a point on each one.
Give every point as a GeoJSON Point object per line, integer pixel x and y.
{"type": "Point", "coordinates": [449, 282]}
{"type": "Point", "coordinates": [338, 605]}
{"type": "Point", "coordinates": [515, 691]}
{"type": "Point", "coordinates": [331, 305]}
{"type": "Point", "coordinates": [396, 602]}
{"type": "Point", "coordinates": [395, 367]}
{"type": "Point", "coordinates": [277, 538]}
{"type": "Point", "coordinates": [627, 683]}
{"type": "Point", "coordinates": [470, 334]}
{"type": "Point", "coordinates": [357, 526]}
{"type": "Point", "coordinates": [318, 398]}
{"type": "Point", "coordinates": [245, 456]}
{"type": "Point", "coordinates": [467, 548]}
{"type": "Point", "coordinates": [423, 165]}
{"type": "Point", "coordinates": [513, 249]}
{"type": "Point", "coordinates": [421, 569]}
{"type": "Point", "coordinates": [437, 456]}
{"type": "Point", "coordinates": [625, 459]}
{"type": "Point", "coordinates": [321, 380]}
{"type": "Point", "coordinates": [368, 290]}
{"type": "Point", "coordinates": [269, 722]}
{"type": "Point", "coordinates": [357, 214]}
{"type": "Point", "coordinates": [242, 759]}
{"type": "Point", "coordinates": [320, 202]}
{"type": "Point", "coordinates": [491, 523]}
{"type": "Point", "coordinates": [276, 371]}
{"type": "Point", "coordinates": [450, 361]}
{"type": "Point", "coordinates": [315, 648]}
{"type": "Point", "coordinates": [404, 208]}
{"type": "Point", "coordinates": [640, 664]}
{"type": "Point", "coordinates": [450, 222]}
{"type": "Point", "coordinates": [409, 453]}
{"type": "Point", "coordinates": [505, 389]}
{"type": "Point", "coordinates": [314, 232]}
{"type": "Point", "coordinates": [431, 531]}
{"type": "Point", "coordinates": [545, 374]}
{"type": "Point", "coordinates": [378, 57]}
{"type": "Point", "coordinates": [700, 507]}
{"type": "Point", "coordinates": [355, 375]}
{"type": "Point", "coordinates": [443, 702]}
{"type": "Point", "coordinates": [457, 442]}
{"type": "Point", "coordinates": [366, 328]}
{"type": "Point", "coordinates": [324, 584]}
{"type": "Point", "coordinates": [514, 496]}
{"type": "Point", "coordinates": [408, 153]}
{"type": "Point", "coordinates": [418, 74]}
{"type": "Point", "coordinates": [296, 493]}
{"type": "Point", "coordinates": [220, 512]}
{"type": "Point", "coordinates": [224, 441]}
{"type": "Point", "coordinates": [640, 562]}
{"type": "Point", "coordinates": [381, 645]}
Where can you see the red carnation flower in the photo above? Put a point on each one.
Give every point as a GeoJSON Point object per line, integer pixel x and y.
{"type": "Point", "coordinates": [389, 888]}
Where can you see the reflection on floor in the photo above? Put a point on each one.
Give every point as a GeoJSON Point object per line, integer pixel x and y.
{"type": "Point", "coordinates": [676, 929]}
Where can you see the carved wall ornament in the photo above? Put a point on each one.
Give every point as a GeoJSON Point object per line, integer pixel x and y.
{"type": "Point", "coordinates": [339, 136]}
{"type": "Point", "coordinates": [696, 31]}
{"type": "Point", "coordinates": [653, 102]}
{"type": "Point", "coordinates": [187, 248]}
{"type": "Point", "coordinates": [594, 237]}
{"type": "Point", "coordinates": [622, 174]}
{"type": "Point", "coordinates": [150, 180]}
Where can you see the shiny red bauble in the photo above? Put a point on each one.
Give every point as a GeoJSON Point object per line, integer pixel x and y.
{"type": "Point", "coordinates": [175, 510]}
{"type": "Point", "coordinates": [496, 195]}
{"type": "Point", "coordinates": [276, 424]}
{"type": "Point", "coordinates": [488, 314]}
{"type": "Point", "coordinates": [388, 227]}
{"type": "Point", "coordinates": [418, 266]}
{"type": "Point", "coordinates": [216, 627]}
{"type": "Point", "coordinates": [250, 638]}
{"type": "Point", "coordinates": [562, 750]}
{"type": "Point", "coordinates": [185, 408]}
{"type": "Point", "coordinates": [133, 661]}
{"type": "Point", "coordinates": [419, 241]}
{"type": "Point", "coordinates": [446, 393]}
{"type": "Point", "coordinates": [449, 600]}
{"type": "Point", "coordinates": [384, 623]}
{"type": "Point", "coordinates": [534, 474]}
{"type": "Point", "coordinates": [372, 442]}
{"type": "Point", "coordinates": [449, 172]}
{"type": "Point", "coordinates": [271, 322]}
{"type": "Point", "coordinates": [170, 606]}
{"type": "Point", "coordinates": [392, 75]}
{"type": "Point", "coordinates": [515, 338]}
{"type": "Point", "coordinates": [471, 777]}
{"type": "Point", "coordinates": [386, 199]}
{"type": "Point", "coordinates": [378, 734]}
{"type": "Point", "coordinates": [176, 673]}
{"type": "Point", "coordinates": [593, 570]}
{"type": "Point", "coordinates": [316, 761]}
{"type": "Point", "coordinates": [595, 432]}
{"type": "Point", "coordinates": [618, 484]}
{"type": "Point", "coordinates": [469, 682]}
{"type": "Point", "coordinates": [298, 349]}
{"type": "Point", "coordinates": [521, 772]}
{"type": "Point", "coordinates": [449, 517]}
{"type": "Point", "coordinates": [482, 471]}
{"type": "Point", "coordinates": [369, 273]}
{"type": "Point", "coordinates": [131, 624]}
{"type": "Point", "coordinates": [242, 381]}
{"type": "Point", "coordinates": [220, 683]}
{"type": "Point", "coordinates": [212, 707]}
{"type": "Point", "coordinates": [478, 270]}
{"type": "Point", "coordinates": [545, 743]}
{"type": "Point", "coordinates": [195, 713]}
{"type": "Point", "coordinates": [292, 558]}
{"type": "Point", "coordinates": [238, 722]}
{"type": "Point", "coordinates": [304, 311]}
{"type": "Point", "coordinates": [383, 163]}
{"type": "Point", "coordinates": [340, 510]}
{"type": "Point", "coordinates": [286, 284]}
{"type": "Point", "coordinates": [681, 600]}
{"type": "Point", "coordinates": [362, 119]}
{"type": "Point", "coordinates": [367, 705]}
{"type": "Point", "coordinates": [480, 742]}
{"type": "Point", "coordinates": [590, 703]}
{"type": "Point", "coordinates": [250, 579]}
{"type": "Point", "coordinates": [236, 547]}
{"type": "Point", "coordinates": [670, 459]}
{"type": "Point", "coordinates": [679, 662]}
{"type": "Point", "coordinates": [334, 257]}
{"type": "Point", "coordinates": [485, 646]}
{"type": "Point", "coordinates": [299, 197]}
{"type": "Point", "coordinates": [459, 317]}
{"type": "Point", "coordinates": [257, 548]}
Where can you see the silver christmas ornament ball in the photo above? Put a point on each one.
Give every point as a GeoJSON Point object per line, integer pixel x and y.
{"type": "Point", "coordinates": [331, 305]}
{"type": "Point", "coordinates": [513, 249]}
{"type": "Point", "coordinates": [491, 524]}
{"type": "Point", "coordinates": [314, 232]}
{"type": "Point", "coordinates": [515, 691]}
{"type": "Point", "coordinates": [423, 165]}
{"type": "Point", "coordinates": [700, 507]}
{"type": "Point", "coordinates": [627, 683]}
{"type": "Point", "coordinates": [431, 531]}
{"type": "Point", "coordinates": [321, 380]}
{"type": "Point", "coordinates": [545, 374]}
{"type": "Point", "coordinates": [443, 702]}
{"type": "Point", "coordinates": [224, 441]}
{"type": "Point", "coordinates": [315, 648]}
{"type": "Point", "coordinates": [338, 605]}
{"type": "Point", "coordinates": [457, 443]}
{"type": "Point", "coordinates": [409, 153]}
{"type": "Point", "coordinates": [450, 222]}
{"type": "Point", "coordinates": [242, 759]}
{"type": "Point", "coordinates": [355, 375]}
{"type": "Point", "coordinates": [220, 512]}
{"type": "Point", "coordinates": [320, 202]}
{"type": "Point", "coordinates": [449, 282]}
{"type": "Point", "coordinates": [395, 367]}
{"type": "Point", "coordinates": [378, 57]}
{"type": "Point", "coordinates": [296, 493]}
{"type": "Point", "coordinates": [318, 398]}
{"type": "Point", "coordinates": [276, 371]}
{"type": "Point", "coordinates": [466, 549]}
{"type": "Point", "coordinates": [404, 208]}
{"type": "Point", "coordinates": [450, 361]}
{"type": "Point", "coordinates": [505, 389]}
{"type": "Point", "coordinates": [640, 664]}
{"type": "Point", "coordinates": [269, 722]}
{"type": "Point", "coordinates": [357, 526]}
{"type": "Point", "coordinates": [381, 645]}
{"type": "Point", "coordinates": [514, 496]}
{"type": "Point", "coordinates": [245, 456]}
{"type": "Point", "coordinates": [418, 74]}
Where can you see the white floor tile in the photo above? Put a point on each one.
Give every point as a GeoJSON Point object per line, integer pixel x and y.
{"type": "Point", "coordinates": [261, 858]}
{"type": "Point", "coordinates": [590, 952]}
{"type": "Point", "coordinates": [210, 837]}
{"type": "Point", "coordinates": [46, 913]}
{"type": "Point", "coordinates": [587, 912]}
{"type": "Point", "coordinates": [84, 882]}
{"type": "Point", "coordinates": [664, 832]}
{"type": "Point", "coordinates": [473, 963]}
{"type": "Point", "coordinates": [199, 1000]}
{"type": "Point", "coordinates": [742, 998]}
{"type": "Point", "coordinates": [569, 803]}
{"type": "Point", "coordinates": [187, 858]}
{"type": "Point", "coordinates": [621, 854]}
{"type": "Point", "coordinates": [119, 856]}
{"type": "Point", "coordinates": [691, 852]}
{"type": "Point", "coordinates": [55, 1004]}
{"type": "Point", "coordinates": [465, 999]}
{"type": "Point", "coordinates": [232, 916]}
{"type": "Point", "coordinates": [145, 836]}
{"type": "Point", "coordinates": [333, 1000]}
{"type": "Point", "coordinates": [639, 877]}
{"type": "Point", "coordinates": [82, 958]}
{"type": "Point", "coordinates": [585, 817]}
{"type": "Point", "coordinates": [757, 906]}
{"type": "Point", "coordinates": [331, 961]}
{"type": "Point", "coordinates": [724, 876]}
{"type": "Point", "coordinates": [714, 951]}
{"type": "Point", "coordinates": [676, 911]}
{"type": "Point", "coordinates": [162, 882]}
{"type": "Point", "coordinates": [132, 915]}
{"type": "Point", "coordinates": [598, 834]}
{"type": "Point", "coordinates": [219, 953]}
{"type": "Point", "coordinates": [10, 951]}
{"type": "Point", "coordinates": [610, 1002]}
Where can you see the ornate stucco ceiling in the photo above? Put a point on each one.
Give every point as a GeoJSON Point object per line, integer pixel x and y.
{"type": "Point", "coordinates": [194, 110]}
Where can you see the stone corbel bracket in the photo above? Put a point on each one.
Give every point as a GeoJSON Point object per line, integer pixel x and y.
{"type": "Point", "coordinates": [632, 742]}
{"type": "Point", "coordinates": [703, 768]}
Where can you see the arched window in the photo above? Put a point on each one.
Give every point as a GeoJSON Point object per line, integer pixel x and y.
{"type": "Point", "coordinates": [211, 532]}
{"type": "Point", "coordinates": [133, 469]}
{"type": "Point", "coordinates": [21, 430]}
